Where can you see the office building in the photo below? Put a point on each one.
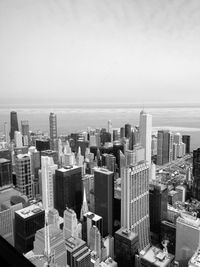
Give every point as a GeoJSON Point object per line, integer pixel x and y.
{"type": "Point", "coordinates": [168, 232]}
{"type": "Point", "coordinates": [104, 182]}
{"type": "Point", "coordinates": [145, 130]}
{"type": "Point", "coordinates": [71, 226]}
{"type": "Point", "coordinates": [95, 242]}
{"type": "Point", "coordinates": [6, 133]}
{"type": "Point", "coordinates": [48, 169]}
{"type": "Point", "coordinates": [158, 197]}
{"type": "Point", "coordinates": [57, 245]}
{"type": "Point", "coordinates": [24, 181]}
{"type": "Point", "coordinates": [122, 132]}
{"type": "Point", "coordinates": [42, 145]}
{"type": "Point", "coordinates": [187, 238]}
{"type": "Point", "coordinates": [25, 132]}
{"type": "Point", "coordinates": [135, 201]}
{"type": "Point", "coordinates": [90, 219]}
{"type": "Point", "coordinates": [52, 154]}
{"type": "Point", "coordinates": [5, 173]}
{"type": "Point", "coordinates": [53, 130]}
{"type": "Point", "coordinates": [13, 124]}
{"type": "Point", "coordinates": [186, 141]}
{"type": "Point", "coordinates": [18, 139]}
{"type": "Point", "coordinates": [164, 147]}
{"type": "Point", "coordinates": [127, 130]}
{"type": "Point", "coordinates": [27, 221]}
{"type": "Point", "coordinates": [196, 174]}
{"type": "Point", "coordinates": [68, 189]}
{"type": "Point", "coordinates": [126, 246]}
{"type": "Point", "coordinates": [78, 254]}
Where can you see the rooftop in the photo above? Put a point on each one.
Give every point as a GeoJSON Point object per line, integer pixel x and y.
{"type": "Point", "coordinates": [195, 260]}
{"type": "Point", "coordinates": [2, 160]}
{"type": "Point", "coordinates": [68, 168]}
{"type": "Point", "coordinates": [29, 211]}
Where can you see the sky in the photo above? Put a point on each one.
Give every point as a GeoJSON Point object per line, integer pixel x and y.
{"type": "Point", "coordinates": [99, 51]}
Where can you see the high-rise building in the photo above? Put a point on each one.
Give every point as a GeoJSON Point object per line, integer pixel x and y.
{"type": "Point", "coordinates": [13, 124]}
{"type": "Point", "coordinates": [78, 254]}
{"type": "Point", "coordinates": [53, 130]}
{"type": "Point", "coordinates": [6, 132]}
{"type": "Point", "coordinates": [27, 221]}
{"type": "Point", "coordinates": [104, 182]}
{"type": "Point", "coordinates": [127, 130]}
{"type": "Point", "coordinates": [42, 145]}
{"type": "Point", "coordinates": [135, 201]}
{"type": "Point", "coordinates": [24, 179]}
{"type": "Point", "coordinates": [71, 225]}
{"type": "Point", "coordinates": [5, 172]}
{"type": "Point", "coordinates": [52, 154]}
{"type": "Point", "coordinates": [126, 246]}
{"type": "Point", "coordinates": [196, 174]}
{"type": "Point", "coordinates": [47, 172]}
{"type": "Point", "coordinates": [68, 189]}
{"type": "Point", "coordinates": [95, 241]}
{"type": "Point", "coordinates": [25, 132]}
{"type": "Point", "coordinates": [145, 134]}
{"type": "Point", "coordinates": [84, 208]}
{"type": "Point", "coordinates": [57, 246]}
{"type": "Point", "coordinates": [164, 147]}
{"type": "Point", "coordinates": [158, 196]}
{"type": "Point", "coordinates": [186, 141]}
{"type": "Point", "coordinates": [18, 139]}
{"type": "Point", "coordinates": [187, 238]}
{"type": "Point", "coordinates": [122, 132]}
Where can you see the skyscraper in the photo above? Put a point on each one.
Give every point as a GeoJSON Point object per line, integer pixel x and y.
{"type": "Point", "coordinates": [5, 172]}
{"type": "Point", "coordinates": [186, 141]}
{"type": "Point", "coordinates": [70, 227]}
{"type": "Point", "coordinates": [18, 139]}
{"type": "Point", "coordinates": [145, 134]}
{"type": "Point", "coordinates": [13, 124]}
{"type": "Point", "coordinates": [68, 189]}
{"type": "Point", "coordinates": [196, 174]}
{"type": "Point", "coordinates": [164, 147]}
{"type": "Point", "coordinates": [25, 132]}
{"type": "Point", "coordinates": [135, 202]}
{"type": "Point", "coordinates": [127, 130]}
{"type": "Point", "coordinates": [6, 134]}
{"type": "Point", "coordinates": [23, 175]}
{"type": "Point", "coordinates": [104, 197]}
{"type": "Point", "coordinates": [53, 130]}
{"type": "Point", "coordinates": [95, 241]}
{"type": "Point", "coordinates": [48, 171]}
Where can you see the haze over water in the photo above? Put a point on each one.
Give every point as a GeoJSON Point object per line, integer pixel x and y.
{"type": "Point", "coordinates": [76, 117]}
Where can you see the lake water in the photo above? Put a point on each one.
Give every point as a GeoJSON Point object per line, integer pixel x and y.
{"type": "Point", "coordinates": [72, 118]}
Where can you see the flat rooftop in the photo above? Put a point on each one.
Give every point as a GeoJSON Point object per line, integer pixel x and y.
{"type": "Point", "coordinates": [95, 217]}
{"type": "Point", "coordinates": [157, 257]}
{"type": "Point", "coordinates": [2, 160]}
{"type": "Point", "coordinates": [68, 168]}
{"type": "Point", "coordinates": [29, 211]}
{"type": "Point", "coordinates": [102, 170]}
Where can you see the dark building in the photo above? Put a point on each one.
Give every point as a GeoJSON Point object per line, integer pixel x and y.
{"type": "Point", "coordinates": [5, 172]}
{"type": "Point", "coordinates": [132, 140]}
{"type": "Point", "coordinates": [164, 147]}
{"type": "Point", "coordinates": [42, 145]}
{"type": "Point", "coordinates": [83, 145]}
{"type": "Point", "coordinates": [122, 132]}
{"type": "Point", "coordinates": [196, 174]}
{"type": "Point", "coordinates": [158, 196]}
{"type": "Point", "coordinates": [13, 124]}
{"type": "Point", "coordinates": [117, 147]}
{"type": "Point", "coordinates": [126, 246]}
{"type": "Point", "coordinates": [186, 141]}
{"type": "Point", "coordinates": [104, 198]}
{"type": "Point", "coordinates": [68, 189]}
{"type": "Point", "coordinates": [127, 130]}
{"type": "Point", "coordinates": [115, 135]}
{"type": "Point", "coordinates": [27, 222]}
{"type": "Point", "coordinates": [168, 232]}
{"type": "Point", "coordinates": [105, 137]}
{"type": "Point", "coordinates": [78, 254]}
{"type": "Point", "coordinates": [5, 153]}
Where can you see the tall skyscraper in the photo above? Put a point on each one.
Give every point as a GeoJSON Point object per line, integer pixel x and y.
{"type": "Point", "coordinates": [5, 172]}
{"type": "Point", "coordinates": [95, 241]}
{"type": "Point", "coordinates": [18, 139]}
{"type": "Point", "coordinates": [24, 179]}
{"type": "Point", "coordinates": [48, 171]}
{"type": "Point", "coordinates": [196, 174]}
{"type": "Point", "coordinates": [71, 226]}
{"type": "Point", "coordinates": [53, 130]}
{"type": "Point", "coordinates": [104, 182]}
{"type": "Point", "coordinates": [187, 238]}
{"type": "Point", "coordinates": [13, 124]}
{"type": "Point", "coordinates": [127, 130]}
{"type": "Point", "coordinates": [25, 132]}
{"type": "Point", "coordinates": [84, 208]}
{"type": "Point", "coordinates": [68, 189]}
{"type": "Point", "coordinates": [145, 134]}
{"type": "Point", "coordinates": [6, 132]}
{"type": "Point", "coordinates": [135, 202]}
{"type": "Point", "coordinates": [186, 141]}
{"type": "Point", "coordinates": [164, 147]}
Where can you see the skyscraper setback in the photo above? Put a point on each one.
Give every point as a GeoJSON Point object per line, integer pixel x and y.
{"type": "Point", "coordinates": [13, 124]}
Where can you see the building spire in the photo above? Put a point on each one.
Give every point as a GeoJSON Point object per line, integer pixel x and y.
{"type": "Point", "coordinates": [84, 208]}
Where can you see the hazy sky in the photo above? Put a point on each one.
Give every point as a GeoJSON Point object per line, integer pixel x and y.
{"type": "Point", "coordinates": [117, 50]}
